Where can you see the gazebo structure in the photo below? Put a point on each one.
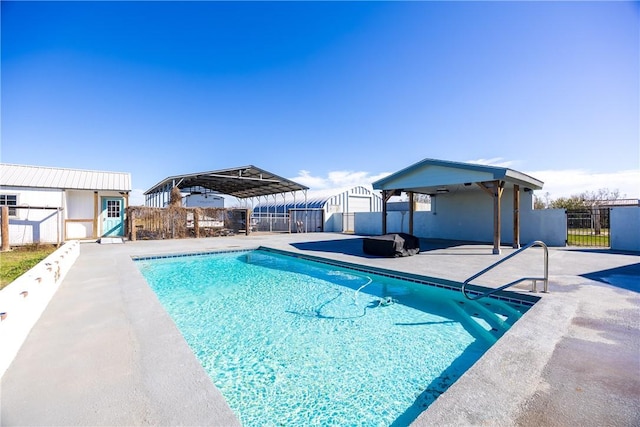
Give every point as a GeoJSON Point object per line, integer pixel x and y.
{"type": "Point", "coordinates": [455, 179]}
{"type": "Point", "coordinates": [242, 182]}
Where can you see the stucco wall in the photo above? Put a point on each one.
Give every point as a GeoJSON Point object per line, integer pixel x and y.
{"type": "Point", "coordinates": [548, 225]}
{"type": "Point", "coordinates": [333, 222]}
{"type": "Point", "coordinates": [469, 217]}
{"type": "Point", "coordinates": [625, 228]}
{"type": "Point", "coordinates": [23, 300]}
{"type": "Point", "coordinates": [368, 223]}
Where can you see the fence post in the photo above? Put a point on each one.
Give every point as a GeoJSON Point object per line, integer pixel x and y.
{"type": "Point", "coordinates": [5, 229]}
{"type": "Point", "coordinates": [132, 224]}
{"type": "Point", "coordinates": [196, 222]}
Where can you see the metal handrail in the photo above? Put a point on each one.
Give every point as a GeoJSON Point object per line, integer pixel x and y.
{"type": "Point", "coordinates": [534, 279]}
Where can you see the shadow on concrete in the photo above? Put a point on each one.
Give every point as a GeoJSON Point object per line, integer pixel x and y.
{"type": "Point", "coordinates": [339, 246]}
{"type": "Point", "coordinates": [354, 246]}
{"type": "Point", "coordinates": [604, 251]}
{"type": "Point", "coordinates": [625, 277]}
{"type": "Point", "coordinates": [437, 244]}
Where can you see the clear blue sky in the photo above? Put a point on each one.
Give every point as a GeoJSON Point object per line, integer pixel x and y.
{"type": "Point", "coordinates": [325, 93]}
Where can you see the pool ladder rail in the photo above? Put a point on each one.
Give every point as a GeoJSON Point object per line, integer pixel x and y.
{"type": "Point", "coordinates": [534, 280]}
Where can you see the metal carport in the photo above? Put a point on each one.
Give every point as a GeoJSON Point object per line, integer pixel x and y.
{"type": "Point", "coordinates": [241, 182]}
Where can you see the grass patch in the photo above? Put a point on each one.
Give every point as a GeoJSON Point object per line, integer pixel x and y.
{"type": "Point", "coordinates": [601, 240]}
{"type": "Point", "coordinates": [19, 260]}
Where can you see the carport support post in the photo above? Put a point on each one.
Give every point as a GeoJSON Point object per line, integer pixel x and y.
{"type": "Point", "coordinates": [411, 209]}
{"type": "Point", "coordinates": [386, 195]}
{"type": "Point", "coordinates": [498, 186]}
{"type": "Point", "coordinates": [516, 216]}
{"type": "Point", "coordinates": [496, 192]}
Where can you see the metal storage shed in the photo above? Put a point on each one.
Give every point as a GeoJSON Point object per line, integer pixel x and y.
{"type": "Point", "coordinates": [325, 203]}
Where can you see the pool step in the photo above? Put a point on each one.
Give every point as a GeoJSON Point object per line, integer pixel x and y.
{"type": "Point", "coordinates": [489, 320]}
{"type": "Point", "coordinates": [473, 323]}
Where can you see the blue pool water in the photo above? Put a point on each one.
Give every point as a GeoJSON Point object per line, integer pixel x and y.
{"type": "Point", "coordinates": [295, 342]}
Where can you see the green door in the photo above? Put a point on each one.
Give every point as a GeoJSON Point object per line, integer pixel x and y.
{"type": "Point", "coordinates": [112, 216]}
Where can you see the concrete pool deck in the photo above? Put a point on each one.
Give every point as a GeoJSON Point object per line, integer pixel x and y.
{"type": "Point", "coordinates": [105, 352]}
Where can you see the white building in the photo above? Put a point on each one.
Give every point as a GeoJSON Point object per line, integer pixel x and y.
{"type": "Point", "coordinates": [51, 205]}
{"type": "Point", "coordinates": [330, 210]}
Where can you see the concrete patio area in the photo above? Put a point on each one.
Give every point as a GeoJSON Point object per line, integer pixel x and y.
{"type": "Point", "coordinates": [105, 352]}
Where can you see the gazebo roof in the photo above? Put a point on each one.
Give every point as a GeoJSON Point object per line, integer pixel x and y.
{"type": "Point", "coordinates": [241, 182]}
{"type": "Point", "coordinates": [430, 176]}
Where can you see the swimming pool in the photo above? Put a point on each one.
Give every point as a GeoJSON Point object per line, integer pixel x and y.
{"type": "Point", "coordinates": [291, 341]}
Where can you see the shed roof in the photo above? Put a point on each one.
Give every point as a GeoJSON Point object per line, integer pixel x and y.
{"type": "Point", "coordinates": [430, 175]}
{"type": "Point", "coordinates": [60, 178]}
{"type": "Point", "coordinates": [241, 182]}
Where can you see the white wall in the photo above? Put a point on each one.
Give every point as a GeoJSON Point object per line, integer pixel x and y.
{"type": "Point", "coordinates": [333, 222]}
{"type": "Point", "coordinates": [404, 206]}
{"type": "Point", "coordinates": [48, 225]}
{"type": "Point", "coordinates": [548, 225]}
{"type": "Point", "coordinates": [469, 217]}
{"type": "Point", "coordinates": [625, 228]}
{"type": "Point", "coordinates": [79, 205]}
{"type": "Point", "coordinates": [24, 299]}
{"type": "Point", "coordinates": [34, 225]}
{"type": "Point", "coordinates": [368, 223]}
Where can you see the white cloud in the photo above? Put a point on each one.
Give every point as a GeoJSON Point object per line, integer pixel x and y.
{"type": "Point", "coordinates": [566, 183]}
{"type": "Point", "coordinates": [570, 182]}
{"type": "Point", "coordinates": [338, 180]}
{"type": "Point", "coordinates": [496, 161]}
{"type": "Point", "coordinates": [305, 178]}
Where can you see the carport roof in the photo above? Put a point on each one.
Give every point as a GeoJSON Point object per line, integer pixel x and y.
{"type": "Point", "coordinates": [241, 182]}
{"type": "Point", "coordinates": [429, 176]}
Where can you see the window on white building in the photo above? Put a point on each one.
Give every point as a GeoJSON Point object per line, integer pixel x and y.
{"type": "Point", "coordinates": [9, 200]}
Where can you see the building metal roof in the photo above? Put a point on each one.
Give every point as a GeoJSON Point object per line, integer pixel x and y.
{"type": "Point", "coordinates": [430, 176]}
{"type": "Point", "coordinates": [242, 182]}
{"type": "Point", "coordinates": [317, 199]}
{"type": "Point", "coordinates": [61, 178]}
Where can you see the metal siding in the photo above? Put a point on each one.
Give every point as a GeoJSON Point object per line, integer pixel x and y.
{"type": "Point", "coordinates": [93, 180]}
{"type": "Point", "coordinates": [374, 202]}
{"type": "Point", "coordinates": [47, 177]}
{"type": "Point", "coordinates": [57, 178]}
